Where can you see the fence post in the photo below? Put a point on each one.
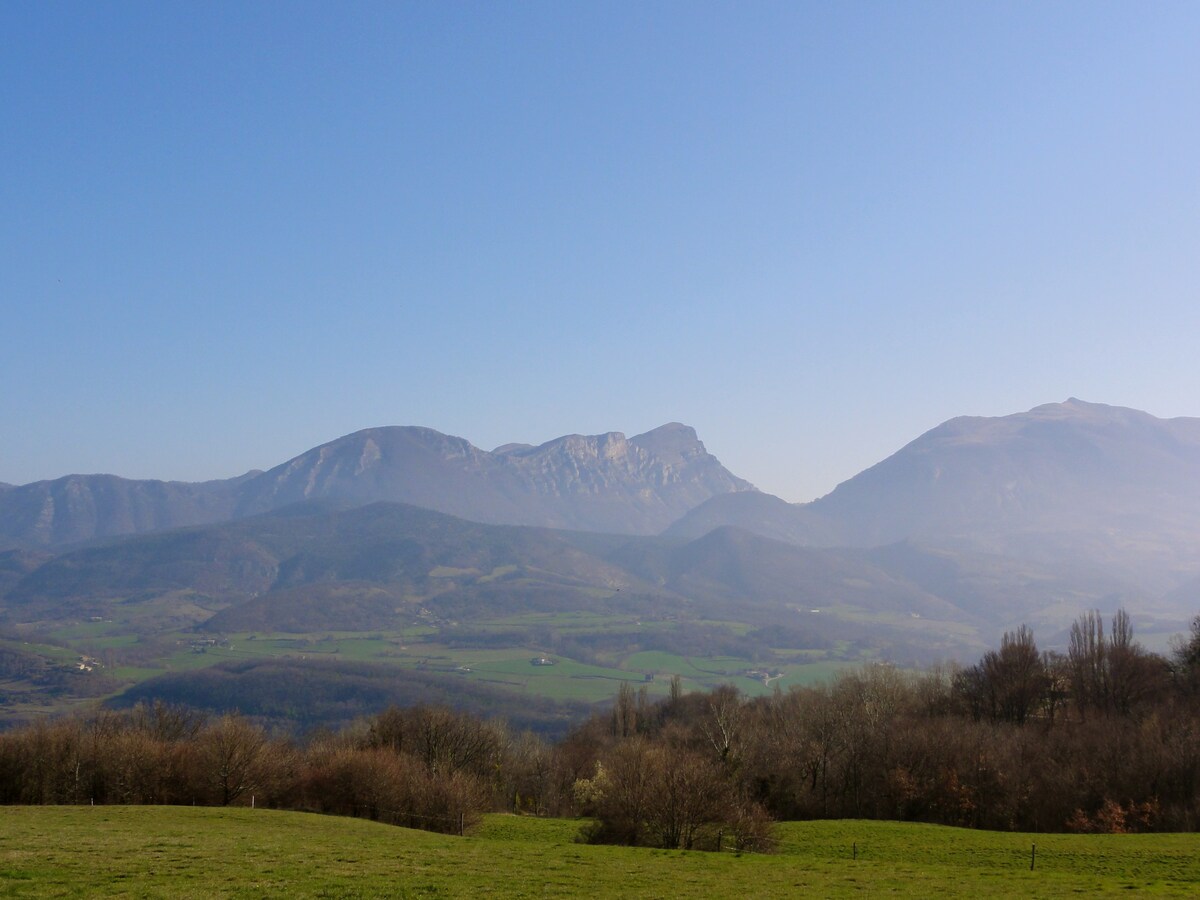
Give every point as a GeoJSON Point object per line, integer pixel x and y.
{"type": "Point", "coordinates": [1032, 857]}
{"type": "Point", "coordinates": [720, 834]}
{"type": "Point", "coordinates": [460, 824]}
{"type": "Point", "coordinates": [855, 846]}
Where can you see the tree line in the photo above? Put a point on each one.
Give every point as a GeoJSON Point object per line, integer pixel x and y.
{"type": "Point", "coordinates": [1102, 737]}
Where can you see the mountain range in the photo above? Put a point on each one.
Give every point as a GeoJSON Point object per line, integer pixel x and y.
{"type": "Point", "coordinates": [979, 524]}
{"type": "Point", "coordinates": [604, 482]}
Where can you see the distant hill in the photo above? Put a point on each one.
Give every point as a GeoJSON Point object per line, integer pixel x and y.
{"type": "Point", "coordinates": [1079, 486]}
{"type": "Point", "coordinates": [325, 566]}
{"type": "Point", "coordinates": [760, 513]}
{"type": "Point", "coordinates": [602, 483]}
{"type": "Point", "coordinates": [317, 565]}
{"type": "Point", "coordinates": [730, 563]}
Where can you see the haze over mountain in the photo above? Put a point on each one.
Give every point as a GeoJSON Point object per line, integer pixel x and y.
{"type": "Point", "coordinates": [1073, 483]}
{"type": "Point", "coordinates": [320, 565]}
{"type": "Point", "coordinates": [602, 483]}
{"type": "Point", "coordinates": [982, 522]}
{"type": "Point", "coordinates": [81, 507]}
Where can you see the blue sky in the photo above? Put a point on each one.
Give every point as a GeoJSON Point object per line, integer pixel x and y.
{"type": "Point", "coordinates": [231, 232]}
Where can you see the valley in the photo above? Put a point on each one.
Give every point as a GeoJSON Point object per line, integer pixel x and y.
{"type": "Point", "coordinates": [564, 661]}
{"type": "Point", "coordinates": [324, 572]}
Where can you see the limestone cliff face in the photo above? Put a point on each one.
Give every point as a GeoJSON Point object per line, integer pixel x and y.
{"type": "Point", "coordinates": [594, 483]}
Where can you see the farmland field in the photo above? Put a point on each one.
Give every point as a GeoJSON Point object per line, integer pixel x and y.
{"type": "Point", "coordinates": [590, 656]}
{"type": "Point", "coordinates": [189, 852]}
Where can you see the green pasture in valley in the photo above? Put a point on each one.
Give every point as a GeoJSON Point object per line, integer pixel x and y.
{"type": "Point", "coordinates": [496, 652]}
{"type": "Point", "coordinates": [188, 852]}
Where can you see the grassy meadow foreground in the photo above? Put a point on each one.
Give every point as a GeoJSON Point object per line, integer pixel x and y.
{"type": "Point", "coordinates": [196, 852]}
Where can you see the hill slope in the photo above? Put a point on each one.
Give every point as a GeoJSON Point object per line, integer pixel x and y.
{"type": "Point", "coordinates": [323, 566]}
{"type": "Point", "coordinates": [317, 565]}
{"type": "Point", "coordinates": [184, 852]}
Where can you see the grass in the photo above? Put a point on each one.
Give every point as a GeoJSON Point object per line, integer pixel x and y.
{"type": "Point", "coordinates": [188, 852]}
{"type": "Point", "coordinates": [510, 667]}
{"type": "Point", "coordinates": [57, 654]}
{"type": "Point", "coordinates": [570, 622]}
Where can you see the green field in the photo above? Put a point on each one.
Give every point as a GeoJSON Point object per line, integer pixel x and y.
{"type": "Point", "coordinates": [497, 653]}
{"type": "Point", "coordinates": [189, 852]}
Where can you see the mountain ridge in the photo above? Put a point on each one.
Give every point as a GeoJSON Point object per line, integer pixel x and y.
{"type": "Point", "coordinates": [594, 482]}
{"type": "Point", "coordinates": [1071, 481]}
{"type": "Point", "coordinates": [982, 522]}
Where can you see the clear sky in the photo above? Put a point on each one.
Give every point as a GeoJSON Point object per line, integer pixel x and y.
{"type": "Point", "coordinates": [232, 231]}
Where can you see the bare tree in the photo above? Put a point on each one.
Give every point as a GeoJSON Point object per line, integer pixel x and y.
{"type": "Point", "coordinates": [723, 723]}
{"type": "Point", "coordinates": [449, 742]}
{"type": "Point", "coordinates": [229, 752]}
{"type": "Point", "coordinates": [1086, 655]}
{"type": "Point", "coordinates": [625, 720]}
{"type": "Point", "coordinates": [622, 793]}
{"type": "Point", "coordinates": [685, 792]}
{"type": "Point", "coordinates": [1113, 674]}
{"type": "Point", "coordinates": [1009, 684]}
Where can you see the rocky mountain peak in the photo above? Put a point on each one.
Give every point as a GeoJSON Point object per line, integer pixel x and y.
{"type": "Point", "coordinates": [673, 442]}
